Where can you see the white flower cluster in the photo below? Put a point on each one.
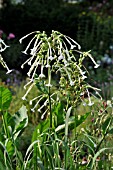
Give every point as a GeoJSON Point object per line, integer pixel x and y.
{"type": "Point", "coordinates": [53, 51]}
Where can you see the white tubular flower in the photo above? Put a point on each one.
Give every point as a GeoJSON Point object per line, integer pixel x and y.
{"type": "Point", "coordinates": [51, 57]}
{"type": "Point", "coordinates": [75, 43]}
{"type": "Point", "coordinates": [27, 61]}
{"type": "Point", "coordinates": [42, 75]}
{"type": "Point", "coordinates": [48, 66]}
{"type": "Point", "coordinates": [33, 66]}
{"type": "Point", "coordinates": [8, 70]}
{"type": "Point", "coordinates": [36, 41]}
{"type": "Point", "coordinates": [73, 46]}
{"type": "Point", "coordinates": [33, 110]}
{"type": "Point", "coordinates": [39, 110]}
{"type": "Point", "coordinates": [81, 72]}
{"type": "Point", "coordinates": [42, 117]}
{"type": "Point", "coordinates": [90, 103]}
{"type": "Point", "coordinates": [42, 67]}
{"type": "Point", "coordinates": [28, 83]}
{"type": "Point", "coordinates": [61, 57]}
{"type": "Point", "coordinates": [35, 49]}
{"type": "Point", "coordinates": [45, 103]}
{"type": "Point", "coordinates": [27, 36]}
{"type": "Point", "coordinates": [25, 51]}
{"type": "Point", "coordinates": [24, 97]}
{"type": "Point", "coordinates": [37, 103]}
{"type": "Point", "coordinates": [90, 56]}
{"type": "Point", "coordinates": [66, 51]}
{"type": "Point", "coordinates": [84, 77]}
{"type": "Point", "coordinates": [31, 101]}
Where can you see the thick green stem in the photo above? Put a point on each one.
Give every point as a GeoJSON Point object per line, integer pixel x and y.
{"type": "Point", "coordinates": [49, 96]}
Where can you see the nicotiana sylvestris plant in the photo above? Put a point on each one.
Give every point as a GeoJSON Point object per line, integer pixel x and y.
{"type": "Point", "coordinates": [60, 54]}
{"type": "Point", "coordinates": [3, 47]}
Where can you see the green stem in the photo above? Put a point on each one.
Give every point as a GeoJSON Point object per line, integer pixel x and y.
{"type": "Point", "coordinates": [50, 107]}
{"type": "Point", "coordinates": [49, 96]}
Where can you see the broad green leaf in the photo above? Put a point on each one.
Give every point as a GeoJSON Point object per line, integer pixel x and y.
{"type": "Point", "coordinates": [20, 119]}
{"type": "Point", "coordinates": [5, 98]}
{"type": "Point", "coordinates": [10, 147]}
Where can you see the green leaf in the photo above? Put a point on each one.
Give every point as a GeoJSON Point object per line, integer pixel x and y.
{"type": "Point", "coordinates": [20, 120]}
{"type": "Point", "coordinates": [42, 126]}
{"type": "Point", "coordinates": [10, 147]}
{"type": "Point", "coordinates": [41, 86]}
{"type": "Point", "coordinates": [5, 98]}
{"type": "Point", "coordinates": [106, 124]}
{"type": "Point", "coordinates": [58, 113]}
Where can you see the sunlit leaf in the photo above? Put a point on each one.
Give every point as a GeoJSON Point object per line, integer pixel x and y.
{"type": "Point", "coordinates": [5, 98]}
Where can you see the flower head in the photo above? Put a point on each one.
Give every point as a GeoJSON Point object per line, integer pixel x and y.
{"type": "Point", "coordinates": [11, 36]}
{"type": "Point", "coordinates": [61, 57]}
{"type": "Point", "coordinates": [41, 75]}
{"type": "Point", "coordinates": [9, 71]}
{"type": "Point", "coordinates": [72, 83]}
{"type": "Point", "coordinates": [90, 103]}
{"type": "Point", "coordinates": [50, 58]}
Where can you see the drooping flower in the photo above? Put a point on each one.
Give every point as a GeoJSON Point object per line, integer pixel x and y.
{"type": "Point", "coordinates": [75, 43]}
{"type": "Point", "coordinates": [90, 56]}
{"type": "Point", "coordinates": [29, 89]}
{"type": "Point", "coordinates": [26, 36]}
